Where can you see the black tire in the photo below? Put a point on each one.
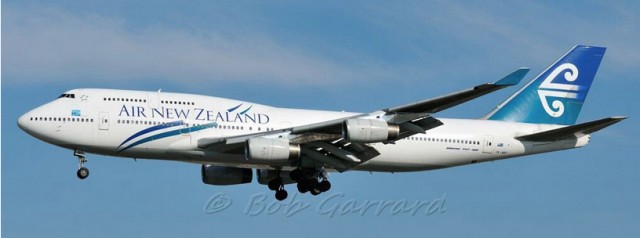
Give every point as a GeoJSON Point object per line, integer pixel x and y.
{"type": "Point", "coordinates": [281, 194]}
{"type": "Point", "coordinates": [83, 173]}
{"type": "Point", "coordinates": [312, 183]}
{"type": "Point", "coordinates": [275, 183]}
{"type": "Point", "coordinates": [302, 186]}
{"type": "Point", "coordinates": [314, 186]}
{"type": "Point", "coordinates": [324, 186]}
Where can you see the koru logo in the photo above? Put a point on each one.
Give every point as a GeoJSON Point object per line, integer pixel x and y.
{"type": "Point", "coordinates": [558, 90]}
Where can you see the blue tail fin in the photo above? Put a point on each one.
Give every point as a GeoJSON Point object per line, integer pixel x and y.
{"type": "Point", "coordinates": [557, 94]}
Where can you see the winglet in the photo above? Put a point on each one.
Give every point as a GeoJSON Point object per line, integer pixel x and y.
{"type": "Point", "coordinates": [513, 78]}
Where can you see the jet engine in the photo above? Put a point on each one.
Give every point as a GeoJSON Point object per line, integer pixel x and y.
{"type": "Point", "coordinates": [265, 150]}
{"type": "Point", "coordinates": [369, 131]}
{"type": "Point", "coordinates": [220, 175]}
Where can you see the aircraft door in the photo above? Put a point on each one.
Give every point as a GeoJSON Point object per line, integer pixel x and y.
{"type": "Point", "coordinates": [103, 123]}
{"type": "Point", "coordinates": [487, 147]}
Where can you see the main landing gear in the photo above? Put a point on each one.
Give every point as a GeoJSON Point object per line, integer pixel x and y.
{"type": "Point", "coordinates": [83, 172]}
{"type": "Point", "coordinates": [309, 180]}
{"type": "Point", "coordinates": [277, 184]}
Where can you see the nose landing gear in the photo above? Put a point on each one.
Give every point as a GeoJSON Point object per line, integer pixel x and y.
{"type": "Point", "coordinates": [83, 172]}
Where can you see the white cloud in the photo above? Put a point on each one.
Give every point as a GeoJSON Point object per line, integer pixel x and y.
{"type": "Point", "coordinates": [529, 33]}
{"type": "Point", "coordinates": [428, 41]}
{"type": "Point", "coordinates": [43, 45]}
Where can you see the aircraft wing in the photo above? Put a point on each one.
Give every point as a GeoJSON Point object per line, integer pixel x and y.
{"type": "Point", "coordinates": [324, 142]}
{"type": "Point", "coordinates": [441, 103]}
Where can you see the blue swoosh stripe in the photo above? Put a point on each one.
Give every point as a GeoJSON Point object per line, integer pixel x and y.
{"type": "Point", "coordinates": [234, 108]}
{"type": "Point", "coordinates": [171, 133]}
{"type": "Point", "coordinates": [245, 111]}
{"type": "Point", "coordinates": [152, 129]}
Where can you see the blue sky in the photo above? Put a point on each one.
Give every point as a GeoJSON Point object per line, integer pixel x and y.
{"type": "Point", "coordinates": [356, 56]}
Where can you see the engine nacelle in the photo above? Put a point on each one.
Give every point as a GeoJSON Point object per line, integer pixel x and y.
{"type": "Point", "coordinates": [266, 175]}
{"type": "Point", "coordinates": [369, 131]}
{"type": "Point", "coordinates": [220, 175]}
{"type": "Point", "coordinates": [270, 150]}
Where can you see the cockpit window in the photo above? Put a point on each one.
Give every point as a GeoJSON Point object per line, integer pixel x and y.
{"type": "Point", "coordinates": [65, 95]}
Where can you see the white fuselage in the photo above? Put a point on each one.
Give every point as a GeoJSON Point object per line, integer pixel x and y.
{"type": "Point", "coordinates": [101, 120]}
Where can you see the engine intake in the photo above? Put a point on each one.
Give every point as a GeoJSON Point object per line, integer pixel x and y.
{"type": "Point", "coordinates": [220, 175]}
{"type": "Point", "coordinates": [369, 131]}
{"type": "Point", "coordinates": [270, 150]}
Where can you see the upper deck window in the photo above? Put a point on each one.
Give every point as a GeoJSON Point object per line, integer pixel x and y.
{"type": "Point", "coordinates": [65, 95]}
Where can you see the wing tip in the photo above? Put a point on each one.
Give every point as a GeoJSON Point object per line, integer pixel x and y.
{"type": "Point", "coordinates": [513, 78]}
{"type": "Point", "coordinates": [619, 117]}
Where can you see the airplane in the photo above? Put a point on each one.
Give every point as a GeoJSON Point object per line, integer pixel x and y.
{"type": "Point", "coordinates": [231, 138]}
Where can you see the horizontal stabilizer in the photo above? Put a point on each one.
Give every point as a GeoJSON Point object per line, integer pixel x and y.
{"type": "Point", "coordinates": [574, 131]}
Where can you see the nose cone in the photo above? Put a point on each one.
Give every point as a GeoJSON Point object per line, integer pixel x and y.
{"type": "Point", "coordinates": [23, 123]}
{"type": "Point", "coordinates": [29, 124]}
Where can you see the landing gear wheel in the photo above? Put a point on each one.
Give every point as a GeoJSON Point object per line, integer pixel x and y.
{"type": "Point", "coordinates": [302, 186]}
{"type": "Point", "coordinates": [83, 173]}
{"type": "Point", "coordinates": [275, 183]}
{"type": "Point", "coordinates": [281, 194]}
{"type": "Point", "coordinates": [314, 191]}
{"type": "Point", "coordinates": [313, 186]}
{"type": "Point", "coordinates": [324, 186]}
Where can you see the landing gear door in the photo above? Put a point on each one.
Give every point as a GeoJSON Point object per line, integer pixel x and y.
{"type": "Point", "coordinates": [103, 123]}
{"type": "Point", "coordinates": [487, 147]}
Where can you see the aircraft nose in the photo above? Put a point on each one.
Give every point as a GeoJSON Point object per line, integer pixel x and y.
{"type": "Point", "coordinates": [23, 122]}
